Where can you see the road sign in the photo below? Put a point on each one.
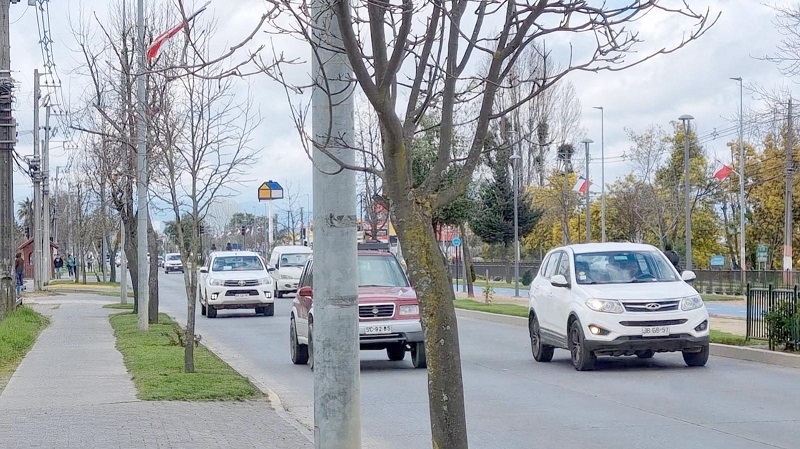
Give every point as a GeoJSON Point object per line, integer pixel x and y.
{"type": "Point", "coordinates": [456, 241]}
{"type": "Point", "coordinates": [762, 253]}
{"type": "Point", "coordinates": [270, 190]}
{"type": "Point", "coordinates": [717, 261]}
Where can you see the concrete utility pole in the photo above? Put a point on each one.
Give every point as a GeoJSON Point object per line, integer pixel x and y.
{"type": "Point", "coordinates": [688, 187]}
{"type": "Point", "coordinates": [586, 142]}
{"type": "Point", "coordinates": [7, 141]}
{"type": "Point", "coordinates": [141, 175]}
{"type": "Point", "coordinates": [335, 349]}
{"type": "Point", "coordinates": [36, 172]}
{"type": "Point", "coordinates": [46, 195]}
{"type": "Point", "coordinates": [742, 243]}
{"type": "Point", "coordinates": [515, 185]}
{"type": "Point", "coordinates": [602, 174]}
{"type": "Point", "coordinates": [787, 227]}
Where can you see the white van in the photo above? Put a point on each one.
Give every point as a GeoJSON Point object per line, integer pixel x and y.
{"type": "Point", "coordinates": [285, 265]}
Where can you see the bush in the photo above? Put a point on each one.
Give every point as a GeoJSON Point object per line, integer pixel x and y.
{"type": "Point", "coordinates": [527, 278]}
{"type": "Point", "coordinates": [783, 325]}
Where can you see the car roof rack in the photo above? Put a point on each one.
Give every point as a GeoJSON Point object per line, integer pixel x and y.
{"type": "Point", "coordinates": [373, 246]}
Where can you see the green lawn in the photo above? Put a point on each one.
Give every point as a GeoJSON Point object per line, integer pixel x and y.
{"type": "Point", "coordinates": [128, 306]}
{"type": "Point", "coordinates": [156, 365]}
{"type": "Point", "coordinates": [726, 338]}
{"type": "Point", "coordinates": [710, 297]}
{"type": "Point", "coordinates": [18, 333]}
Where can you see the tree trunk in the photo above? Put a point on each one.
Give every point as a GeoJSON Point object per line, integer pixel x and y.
{"type": "Point", "coordinates": [190, 280]}
{"type": "Point", "coordinates": [152, 249]}
{"type": "Point", "coordinates": [467, 260]}
{"type": "Point", "coordinates": [129, 225]}
{"type": "Point", "coordinates": [428, 271]}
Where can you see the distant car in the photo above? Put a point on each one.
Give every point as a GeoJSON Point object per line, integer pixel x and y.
{"type": "Point", "coordinates": [286, 264]}
{"type": "Point", "coordinates": [161, 261]}
{"type": "Point", "coordinates": [615, 299]}
{"type": "Point", "coordinates": [388, 311]}
{"type": "Point", "coordinates": [172, 262]}
{"type": "Point", "coordinates": [235, 280]}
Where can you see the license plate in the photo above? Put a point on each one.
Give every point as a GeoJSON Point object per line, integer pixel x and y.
{"type": "Point", "coordinates": [378, 329]}
{"type": "Point", "coordinates": [242, 295]}
{"type": "Point", "coordinates": [655, 331]}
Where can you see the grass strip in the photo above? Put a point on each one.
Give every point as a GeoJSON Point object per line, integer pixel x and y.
{"type": "Point", "coordinates": [18, 333]}
{"type": "Point", "coordinates": [155, 361]}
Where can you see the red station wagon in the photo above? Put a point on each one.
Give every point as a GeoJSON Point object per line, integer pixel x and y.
{"type": "Point", "coordinates": [388, 311]}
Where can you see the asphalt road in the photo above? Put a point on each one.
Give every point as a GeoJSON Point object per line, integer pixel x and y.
{"type": "Point", "coordinates": [514, 402]}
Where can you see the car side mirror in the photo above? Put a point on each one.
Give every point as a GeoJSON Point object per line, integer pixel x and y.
{"type": "Point", "coordinates": [270, 269]}
{"type": "Point", "coordinates": [305, 291]}
{"type": "Point", "coordinates": [688, 276]}
{"type": "Point", "coordinates": [203, 270]}
{"type": "Point", "coordinates": [559, 281]}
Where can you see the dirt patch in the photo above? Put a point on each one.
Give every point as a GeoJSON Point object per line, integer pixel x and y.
{"type": "Point", "coordinates": [734, 326]}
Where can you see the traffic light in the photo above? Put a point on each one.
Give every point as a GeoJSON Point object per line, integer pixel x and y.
{"type": "Point", "coordinates": [243, 230]}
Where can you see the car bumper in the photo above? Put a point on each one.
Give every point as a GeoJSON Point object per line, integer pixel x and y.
{"type": "Point", "coordinates": [688, 330]}
{"type": "Point", "coordinates": [233, 298]}
{"type": "Point", "coordinates": [394, 331]}
{"type": "Point", "coordinates": [287, 285]}
{"type": "Point", "coordinates": [173, 267]}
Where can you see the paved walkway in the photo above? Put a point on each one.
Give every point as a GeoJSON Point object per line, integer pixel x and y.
{"type": "Point", "coordinates": [72, 391]}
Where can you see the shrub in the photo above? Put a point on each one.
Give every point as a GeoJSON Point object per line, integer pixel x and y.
{"type": "Point", "coordinates": [527, 278]}
{"type": "Point", "coordinates": [783, 325]}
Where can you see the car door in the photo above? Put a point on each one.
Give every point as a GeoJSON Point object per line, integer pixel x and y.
{"type": "Point", "coordinates": [303, 303]}
{"type": "Point", "coordinates": [544, 292]}
{"type": "Point", "coordinates": [562, 296]}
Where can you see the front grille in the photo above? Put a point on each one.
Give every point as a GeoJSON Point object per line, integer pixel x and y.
{"type": "Point", "coordinates": [649, 306]}
{"type": "Point", "coordinates": [236, 283]}
{"type": "Point", "coordinates": [654, 322]}
{"type": "Point", "coordinates": [241, 292]}
{"type": "Point", "coordinates": [376, 311]}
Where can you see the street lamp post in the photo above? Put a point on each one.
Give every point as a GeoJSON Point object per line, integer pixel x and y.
{"type": "Point", "coordinates": [586, 142]}
{"type": "Point", "coordinates": [602, 174]}
{"type": "Point", "coordinates": [688, 187]}
{"type": "Point", "coordinates": [515, 157]}
{"type": "Point", "coordinates": [742, 253]}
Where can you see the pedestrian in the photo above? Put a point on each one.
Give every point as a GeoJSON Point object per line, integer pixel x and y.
{"type": "Point", "coordinates": [89, 261]}
{"type": "Point", "coordinates": [673, 257]}
{"type": "Point", "coordinates": [58, 264]}
{"type": "Point", "coordinates": [71, 265]}
{"type": "Point", "coordinates": [19, 268]}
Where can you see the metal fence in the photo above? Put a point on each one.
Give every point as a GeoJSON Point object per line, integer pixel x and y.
{"type": "Point", "coordinates": [497, 270]}
{"type": "Point", "coordinates": [729, 282]}
{"type": "Point", "coordinates": [760, 301]}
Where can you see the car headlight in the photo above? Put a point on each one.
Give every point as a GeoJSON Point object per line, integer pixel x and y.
{"type": "Point", "coordinates": [265, 281]}
{"type": "Point", "coordinates": [216, 282]}
{"type": "Point", "coordinates": [409, 309]}
{"type": "Point", "coordinates": [691, 302]}
{"type": "Point", "coordinates": [604, 305]}
{"type": "Point", "coordinates": [286, 276]}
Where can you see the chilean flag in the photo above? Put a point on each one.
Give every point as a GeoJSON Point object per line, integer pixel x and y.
{"type": "Point", "coordinates": [582, 186]}
{"type": "Point", "coordinates": [152, 50]}
{"type": "Point", "coordinates": [723, 172]}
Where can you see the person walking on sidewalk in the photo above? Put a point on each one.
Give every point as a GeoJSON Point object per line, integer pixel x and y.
{"type": "Point", "coordinates": [58, 263]}
{"type": "Point", "coordinates": [71, 265]}
{"type": "Point", "coordinates": [19, 268]}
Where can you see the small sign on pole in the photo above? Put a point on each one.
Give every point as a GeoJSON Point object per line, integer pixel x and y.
{"type": "Point", "coordinates": [717, 261]}
{"type": "Point", "coordinates": [456, 241]}
{"type": "Point", "coordinates": [762, 253]}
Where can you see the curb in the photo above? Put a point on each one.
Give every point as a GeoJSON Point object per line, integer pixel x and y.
{"type": "Point", "coordinates": [717, 350]}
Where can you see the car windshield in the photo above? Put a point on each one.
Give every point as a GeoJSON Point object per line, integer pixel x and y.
{"type": "Point", "coordinates": [620, 267]}
{"type": "Point", "coordinates": [173, 257]}
{"type": "Point", "coordinates": [237, 263]}
{"type": "Point", "coordinates": [380, 271]}
{"type": "Point", "coordinates": [294, 260]}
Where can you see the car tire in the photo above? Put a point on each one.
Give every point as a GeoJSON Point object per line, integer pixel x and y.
{"type": "Point", "coordinates": [645, 354]}
{"type": "Point", "coordinates": [696, 358]}
{"type": "Point", "coordinates": [269, 310]}
{"type": "Point", "coordinates": [418, 357]}
{"type": "Point", "coordinates": [211, 312]}
{"type": "Point", "coordinates": [202, 308]}
{"type": "Point", "coordinates": [396, 352]}
{"type": "Point", "coordinates": [299, 352]}
{"type": "Point", "coordinates": [582, 358]}
{"type": "Point", "coordinates": [311, 344]}
{"type": "Point", "coordinates": [541, 352]}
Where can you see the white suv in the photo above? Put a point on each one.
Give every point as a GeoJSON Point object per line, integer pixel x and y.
{"type": "Point", "coordinates": [235, 280]}
{"type": "Point", "coordinates": [615, 299]}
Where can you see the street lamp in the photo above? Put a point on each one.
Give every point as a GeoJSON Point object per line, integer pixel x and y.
{"type": "Point", "coordinates": [515, 157]}
{"type": "Point", "coordinates": [742, 253]}
{"type": "Point", "coordinates": [602, 174]}
{"type": "Point", "coordinates": [687, 185]}
{"type": "Point", "coordinates": [586, 142]}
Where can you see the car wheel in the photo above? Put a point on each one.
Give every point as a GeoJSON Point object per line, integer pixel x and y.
{"type": "Point", "coordinates": [696, 358]}
{"type": "Point", "coordinates": [299, 352]}
{"type": "Point", "coordinates": [211, 312]}
{"type": "Point", "coordinates": [396, 352]}
{"type": "Point", "coordinates": [418, 358]}
{"type": "Point", "coordinates": [541, 352]}
{"type": "Point", "coordinates": [582, 358]}
{"type": "Point", "coordinates": [269, 310]}
{"type": "Point", "coordinates": [645, 354]}
{"type": "Point", "coordinates": [202, 308]}
{"type": "Point", "coordinates": [310, 344]}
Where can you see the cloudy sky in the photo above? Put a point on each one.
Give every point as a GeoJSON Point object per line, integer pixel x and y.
{"type": "Point", "coordinates": [695, 81]}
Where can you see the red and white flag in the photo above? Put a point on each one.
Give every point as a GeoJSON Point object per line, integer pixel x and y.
{"type": "Point", "coordinates": [152, 50]}
{"type": "Point", "coordinates": [582, 186]}
{"type": "Point", "coordinates": [723, 172]}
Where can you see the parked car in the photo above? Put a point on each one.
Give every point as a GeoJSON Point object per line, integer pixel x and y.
{"type": "Point", "coordinates": [172, 262]}
{"type": "Point", "coordinates": [235, 280]}
{"type": "Point", "coordinates": [286, 264]}
{"type": "Point", "coordinates": [388, 311]}
{"type": "Point", "coordinates": [615, 299]}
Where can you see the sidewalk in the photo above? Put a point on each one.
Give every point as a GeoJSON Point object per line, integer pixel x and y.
{"type": "Point", "coordinates": [72, 391]}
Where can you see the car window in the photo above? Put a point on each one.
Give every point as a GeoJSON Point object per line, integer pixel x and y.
{"type": "Point", "coordinates": [173, 257]}
{"type": "Point", "coordinates": [543, 267]}
{"type": "Point", "coordinates": [307, 277]}
{"type": "Point", "coordinates": [616, 267]}
{"type": "Point", "coordinates": [552, 264]}
{"type": "Point", "coordinates": [380, 271]}
{"type": "Point", "coordinates": [237, 263]}
{"type": "Point", "coordinates": [563, 266]}
{"type": "Point", "coordinates": [294, 260]}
